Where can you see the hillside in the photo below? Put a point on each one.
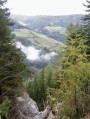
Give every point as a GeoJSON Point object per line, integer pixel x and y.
{"type": "Point", "coordinates": [36, 22]}
{"type": "Point", "coordinates": [51, 26]}
{"type": "Point", "coordinates": [38, 48]}
{"type": "Point", "coordinates": [39, 37]}
{"type": "Point", "coordinates": [28, 37]}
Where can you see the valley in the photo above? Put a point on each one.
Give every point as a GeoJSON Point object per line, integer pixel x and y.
{"type": "Point", "coordinates": [44, 60]}
{"type": "Point", "coordinates": [34, 38]}
{"type": "Point", "coordinates": [40, 37]}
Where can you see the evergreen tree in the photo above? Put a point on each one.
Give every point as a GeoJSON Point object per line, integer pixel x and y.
{"type": "Point", "coordinates": [4, 108]}
{"type": "Point", "coordinates": [37, 89]}
{"type": "Point", "coordinates": [76, 72]}
{"type": "Point", "coordinates": [42, 88]}
{"type": "Point", "coordinates": [86, 20]}
{"type": "Point", "coordinates": [12, 68]}
{"type": "Point", "coordinates": [49, 75]}
{"type": "Point", "coordinates": [74, 76]}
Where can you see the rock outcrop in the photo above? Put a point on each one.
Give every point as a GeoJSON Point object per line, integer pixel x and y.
{"type": "Point", "coordinates": [27, 108]}
{"type": "Point", "coordinates": [55, 112]}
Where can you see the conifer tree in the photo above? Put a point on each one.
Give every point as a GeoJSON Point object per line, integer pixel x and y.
{"type": "Point", "coordinates": [74, 76]}
{"type": "Point", "coordinates": [76, 72]}
{"type": "Point", "coordinates": [42, 87]}
{"type": "Point", "coordinates": [49, 75]}
{"type": "Point", "coordinates": [36, 90]}
{"type": "Point", "coordinates": [86, 20]}
{"type": "Point", "coordinates": [12, 68]}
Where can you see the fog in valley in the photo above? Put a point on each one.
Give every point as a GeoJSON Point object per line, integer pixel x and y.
{"type": "Point", "coordinates": [34, 54]}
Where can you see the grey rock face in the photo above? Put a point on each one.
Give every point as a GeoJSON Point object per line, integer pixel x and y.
{"type": "Point", "coordinates": [28, 109]}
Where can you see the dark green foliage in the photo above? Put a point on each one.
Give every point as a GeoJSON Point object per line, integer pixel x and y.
{"type": "Point", "coordinates": [38, 88]}
{"type": "Point", "coordinates": [12, 69]}
{"type": "Point", "coordinates": [11, 65]}
{"type": "Point", "coordinates": [4, 108]}
{"type": "Point", "coordinates": [86, 21]}
{"type": "Point", "coordinates": [49, 75]}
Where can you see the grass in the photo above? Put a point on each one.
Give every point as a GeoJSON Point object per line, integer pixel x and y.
{"type": "Point", "coordinates": [22, 32]}
{"type": "Point", "coordinates": [37, 39]}
{"type": "Point", "coordinates": [55, 29]}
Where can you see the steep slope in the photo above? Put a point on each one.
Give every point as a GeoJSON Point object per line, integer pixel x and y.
{"type": "Point", "coordinates": [28, 37]}
{"type": "Point", "coordinates": [56, 32]}
{"type": "Point", "coordinates": [41, 36]}
{"type": "Point", "coordinates": [38, 48]}
{"type": "Point", "coordinates": [41, 24]}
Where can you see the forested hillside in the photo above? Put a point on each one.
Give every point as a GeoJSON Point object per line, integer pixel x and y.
{"type": "Point", "coordinates": [51, 26]}
{"type": "Point", "coordinates": [46, 34]}
{"type": "Point", "coordinates": [36, 22]}
{"type": "Point", "coordinates": [44, 65]}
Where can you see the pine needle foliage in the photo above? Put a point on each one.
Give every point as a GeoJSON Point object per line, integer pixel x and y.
{"type": "Point", "coordinates": [12, 68]}
{"type": "Point", "coordinates": [73, 76]}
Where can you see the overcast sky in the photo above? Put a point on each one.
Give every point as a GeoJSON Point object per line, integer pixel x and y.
{"type": "Point", "coordinates": [46, 7]}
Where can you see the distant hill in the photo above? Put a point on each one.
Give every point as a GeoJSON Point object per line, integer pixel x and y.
{"type": "Point", "coordinates": [36, 22]}
{"type": "Point", "coordinates": [51, 26]}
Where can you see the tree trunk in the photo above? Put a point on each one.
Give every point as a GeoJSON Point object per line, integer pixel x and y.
{"type": "Point", "coordinates": [77, 114]}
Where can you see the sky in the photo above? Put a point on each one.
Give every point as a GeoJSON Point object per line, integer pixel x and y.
{"type": "Point", "coordinates": [46, 7]}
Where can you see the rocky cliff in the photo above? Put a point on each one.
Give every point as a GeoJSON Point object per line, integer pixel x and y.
{"type": "Point", "coordinates": [27, 108]}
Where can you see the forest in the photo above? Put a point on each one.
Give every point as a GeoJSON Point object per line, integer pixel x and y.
{"type": "Point", "coordinates": [65, 81]}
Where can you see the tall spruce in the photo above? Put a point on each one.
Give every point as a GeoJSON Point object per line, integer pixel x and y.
{"type": "Point", "coordinates": [12, 68]}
